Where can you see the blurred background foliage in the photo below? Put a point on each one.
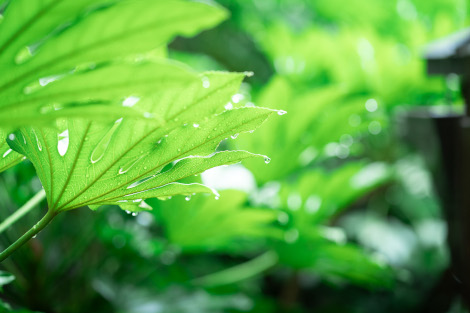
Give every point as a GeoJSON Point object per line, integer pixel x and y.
{"type": "Point", "coordinates": [342, 219]}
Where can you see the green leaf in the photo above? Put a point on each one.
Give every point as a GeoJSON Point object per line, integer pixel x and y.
{"type": "Point", "coordinates": [108, 84]}
{"type": "Point", "coordinates": [333, 261]}
{"type": "Point", "coordinates": [318, 195]}
{"type": "Point", "coordinates": [213, 223]}
{"type": "Point", "coordinates": [26, 22]}
{"type": "Point", "coordinates": [314, 119]}
{"type": "Point", "coordinates": [130, 160]}
{"type": "Point", "coordinates": [63, 35]}
{"type": "Point", "coordinates": [5, 278]}
{"type": "Point", "coordinates": [8, 157]}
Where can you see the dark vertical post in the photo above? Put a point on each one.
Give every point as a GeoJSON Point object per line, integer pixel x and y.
{"type": "Point", "coordinates": [451, 55]}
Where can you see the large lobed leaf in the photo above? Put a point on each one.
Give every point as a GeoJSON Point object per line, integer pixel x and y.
{"type": "Point", "coordinates": [127, 27]}
{"type": "Point", "coordinates": [93, 163]}
{"type": "Point", "coordinates": [44, 41]}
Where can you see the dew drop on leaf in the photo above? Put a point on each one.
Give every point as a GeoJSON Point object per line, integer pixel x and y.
{"type": "Point", "coordinates": [205, 82]}
{"type": "Point", "coordinates": [187, 198]}
{"type": "Point", "coordinates": [7, 153]}
{"type": "Point", "coordinates": [281, 112]}
{"type": "Point", "coordinates": [63, 142]}
{"type": "Point", "coordinates": [102, 146]}
{"type": "Point", "coordinates": [229, 106]}
{"type": "Point", "coordinates": [267, 160]}
{"type": "Point", "coordinates": [234, 136]}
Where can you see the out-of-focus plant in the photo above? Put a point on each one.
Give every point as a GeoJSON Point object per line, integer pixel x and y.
{"type": "Point", "coordinates": [338, 213]}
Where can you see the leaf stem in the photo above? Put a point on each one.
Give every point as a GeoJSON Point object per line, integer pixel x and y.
{"type": "Point", "coordinates": [239, 272]}
{"type": "Point", "coordinates": [28, 206]}
{"type": "Point", "coordinates": [28, 235]}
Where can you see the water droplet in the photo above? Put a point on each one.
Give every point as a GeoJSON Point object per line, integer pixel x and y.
{"type": "Point", "coordinates": [217, 197]}
{"type": "Point", "coordinates": [23, 55]}
{"type": "Point", "coordinates": [11, 137]}
{"type": "Point", "coordinates": [7, 153]}
{"type": "Point", "coordinates": [134, 213]}
{"type": "Point", "coordinates": [228, 106]}
{"type": "Point", "coordinates": [44, 81]}
{"type": "Point", "coordinates": [234, 136]}
{"type": "Point", "coordinates": [237, 97]}
{"type": "Point", "coordinates": [128, 212]}
{"type": "Point", "coordinates": [63, 142]}
{"type": "Point", "coordinates": [281, 112]}
{"type": "Point", "coordinates": [126, 167]}
{"type": "Point", "coordinates": [37, 141]}
{"type": "Point", "coordinates": [196, 125]}
{"type": "Point", "coordinates": [102, 146]}
{"type": "Point", "coordinates": [187, 198]}
{"type": "Point", "coordinates": [35, 236]}
{"type": "Point", "coordinates": [205, 82]}
{"type": "Point", "coordinates": [267, 159]}
{"type": "Point", "coordinates": [130, 101]}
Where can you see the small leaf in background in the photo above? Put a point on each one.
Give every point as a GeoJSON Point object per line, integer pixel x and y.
{"type": "Point", "coordinates": [314, 121]}
{"type": "Point", "coordinates": [8, 157]}
{"type": "Point", "coordinates": [205, 223]}
{"type": "Point", "coordinates": [319, 195]}
{"type": "Point", "coordinates": [332, 261]}
{"type": "Point", "coordinates": [5, 279]}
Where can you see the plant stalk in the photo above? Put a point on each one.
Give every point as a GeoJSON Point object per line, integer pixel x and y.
{"type": "Point", "coordinates": [28, 235]}
{"type": "Point", "coordinates": [28, 206]}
